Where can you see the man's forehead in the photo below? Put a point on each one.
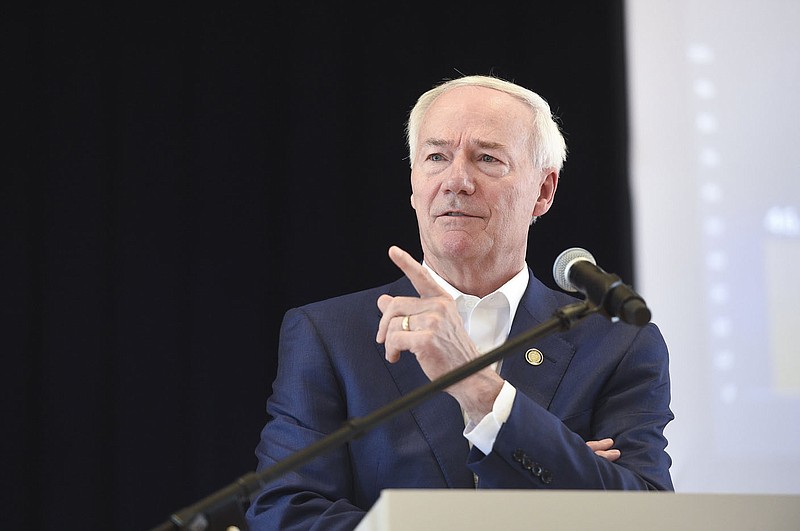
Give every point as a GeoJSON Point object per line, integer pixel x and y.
{"type": "Point", "coordinates": [487, 118]}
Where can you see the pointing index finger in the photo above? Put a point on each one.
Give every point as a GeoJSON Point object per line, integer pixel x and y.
{"type": "Point", "coordinates": [419, 276]}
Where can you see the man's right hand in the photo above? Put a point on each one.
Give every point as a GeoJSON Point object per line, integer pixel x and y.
{"type": "Point", "coordinates": [604, 449]}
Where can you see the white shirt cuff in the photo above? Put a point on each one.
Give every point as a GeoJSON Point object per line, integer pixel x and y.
{"type": "Point", "coordinates": [484, 433]}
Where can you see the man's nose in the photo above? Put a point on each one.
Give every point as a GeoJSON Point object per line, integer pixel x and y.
{"type": "Point", "coordinates": [460, 178]}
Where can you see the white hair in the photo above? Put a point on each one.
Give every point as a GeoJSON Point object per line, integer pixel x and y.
{"type": "Point", "coordinates": [549, 147]}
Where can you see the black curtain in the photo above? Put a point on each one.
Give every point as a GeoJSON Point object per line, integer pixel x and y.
{"type": "Point", "coordinates": [176, 177]}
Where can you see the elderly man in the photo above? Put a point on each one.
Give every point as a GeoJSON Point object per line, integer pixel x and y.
{"type": "Point", "coordinates": [587, 411]}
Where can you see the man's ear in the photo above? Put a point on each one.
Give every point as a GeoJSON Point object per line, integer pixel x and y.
{"type": "Point", "coordinates": [547, 191]}
{"type": "Point", "coordinates": [412, 202]}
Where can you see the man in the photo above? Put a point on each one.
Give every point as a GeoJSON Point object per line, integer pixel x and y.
{"type": "Point", "coordinates": [485, 159]}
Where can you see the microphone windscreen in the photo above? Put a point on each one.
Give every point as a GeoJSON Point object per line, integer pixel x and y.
{"type": "Point", "coordinates": [564, 261]}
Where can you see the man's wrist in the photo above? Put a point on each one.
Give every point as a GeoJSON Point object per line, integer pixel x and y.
{"type": "Point", "coordinates": [483, 433]}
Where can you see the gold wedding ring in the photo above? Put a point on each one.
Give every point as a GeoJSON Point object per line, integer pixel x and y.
{"type": "Point", "coordinates": [406, 326]}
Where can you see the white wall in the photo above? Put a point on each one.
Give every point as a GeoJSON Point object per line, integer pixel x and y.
{"type": "Point", "coordinates": [715, 132]}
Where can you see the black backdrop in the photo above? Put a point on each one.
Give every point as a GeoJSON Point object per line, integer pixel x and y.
{"type": "Point", "coordinates": [176, 177]}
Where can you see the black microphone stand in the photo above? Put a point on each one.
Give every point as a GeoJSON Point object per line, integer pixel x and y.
{"type": "Point", "coordinates": [225, 508]}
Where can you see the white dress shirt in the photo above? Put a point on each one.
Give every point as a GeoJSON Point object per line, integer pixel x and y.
{"type": "Point", "coordinates": [488, 323]}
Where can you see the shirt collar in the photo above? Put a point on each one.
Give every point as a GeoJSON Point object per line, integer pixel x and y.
{"type": "Point", "coordinates": [513, 289]}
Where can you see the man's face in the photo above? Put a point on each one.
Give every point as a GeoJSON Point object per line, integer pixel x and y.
{"type": "Point", "coordinates": [474, 186]}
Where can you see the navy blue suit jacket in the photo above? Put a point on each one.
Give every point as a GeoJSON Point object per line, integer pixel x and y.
{"type": "Point", "coordinates": [600, 379]}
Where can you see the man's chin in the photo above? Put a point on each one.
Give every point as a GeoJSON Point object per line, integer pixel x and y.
{"type": "Point", "coordinates": [459, 245]}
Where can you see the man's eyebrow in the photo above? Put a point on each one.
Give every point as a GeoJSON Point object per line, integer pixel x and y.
{"type": "Point", "coordinates": [485, 144]}
{"type": "Point", "coordinates": [436, 142]}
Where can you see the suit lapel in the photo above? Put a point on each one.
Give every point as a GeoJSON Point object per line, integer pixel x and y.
{"type": "Point", "coordinates": [439, 418]}
{"type": "Point", "coordinates": [539, 382]}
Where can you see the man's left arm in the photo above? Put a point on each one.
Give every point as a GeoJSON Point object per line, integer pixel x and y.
{"type": "Point", "coordinates": [535, 449]}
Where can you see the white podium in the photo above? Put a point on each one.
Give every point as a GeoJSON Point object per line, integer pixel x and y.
{"type": "Point", "coordinates": [517, 510]}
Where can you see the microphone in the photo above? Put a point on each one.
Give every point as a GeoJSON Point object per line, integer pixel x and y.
{"type": "Point", "coordinates": [576, 270]}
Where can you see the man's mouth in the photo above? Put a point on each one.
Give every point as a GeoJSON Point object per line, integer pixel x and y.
{"type": "Point", "coordinates": [457, 213]}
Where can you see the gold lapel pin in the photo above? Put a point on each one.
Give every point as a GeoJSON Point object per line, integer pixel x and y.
{"type": "Point", "coordinates": [534, 356]}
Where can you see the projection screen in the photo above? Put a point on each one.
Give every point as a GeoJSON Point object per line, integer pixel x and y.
{"type": "Point", "coordinates": [714, 92]}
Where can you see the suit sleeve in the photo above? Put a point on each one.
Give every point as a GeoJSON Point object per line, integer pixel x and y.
{"type": "Point", "coordinates": [536, 449]}
{"type": "Point", "coordinates": [305, 406]}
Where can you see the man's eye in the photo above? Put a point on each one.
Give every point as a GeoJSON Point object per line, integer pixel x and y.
{"type": "Point", "coordinates": [436, 157]}
{"type": "Point", "coordinates": [488, 158]}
